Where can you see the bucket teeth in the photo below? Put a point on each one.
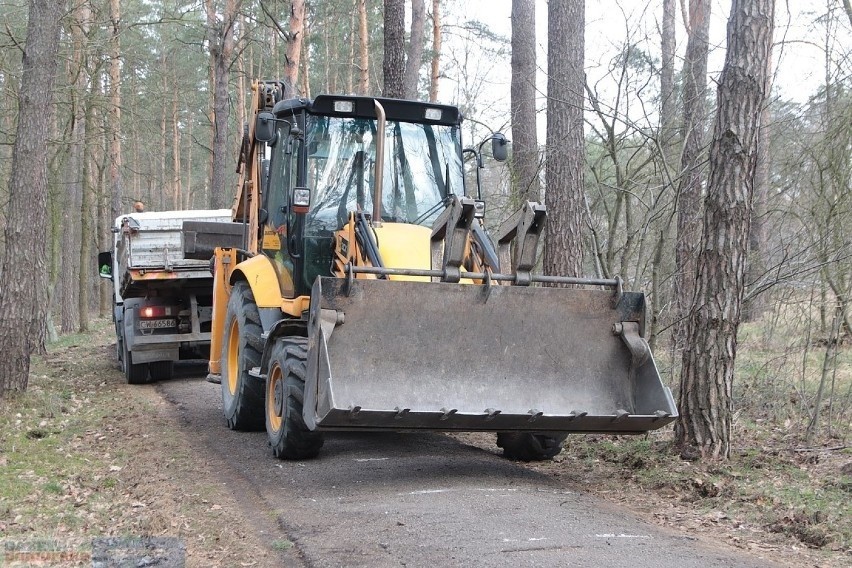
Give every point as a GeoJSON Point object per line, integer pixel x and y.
{"type": "Point", "coordinates": [491, 413]}
{"type": "Point", "coordinates": [354, 411]}
{"type": "Point", "coordinates": [661, 414]}
{"type": "Point", "coordinates": [576, 414]}
{"type": "Point", "coordinates": [447, 412]}
{"type": "Point", "coordinates": [535, 414]}
{"type": "Point", "coordinates": [620, 414]}
{"type": "Point", "coordinates": [401, 412]}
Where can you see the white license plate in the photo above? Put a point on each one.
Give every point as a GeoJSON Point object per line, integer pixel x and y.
{"type": "Point", "coordinates": [156, 324]}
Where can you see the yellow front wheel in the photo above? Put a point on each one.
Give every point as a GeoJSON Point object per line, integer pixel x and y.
{"type": "Point", "coordinates": [288, 435]}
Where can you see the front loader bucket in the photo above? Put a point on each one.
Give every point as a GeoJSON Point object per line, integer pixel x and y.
{"type": "Point", "coordinates": [438, 356]}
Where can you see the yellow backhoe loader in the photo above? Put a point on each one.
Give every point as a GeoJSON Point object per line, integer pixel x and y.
{"type": "Point", "coordinates": [367, 295]}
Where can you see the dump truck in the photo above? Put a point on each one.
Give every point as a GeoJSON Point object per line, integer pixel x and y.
{"type": "Point", "coordinates": [162, 297]}
{"type": "Point", "coordinates": [368, 295]}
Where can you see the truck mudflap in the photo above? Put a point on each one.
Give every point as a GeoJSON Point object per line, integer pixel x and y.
{"type": "Point", "coordinates": [395, 355]}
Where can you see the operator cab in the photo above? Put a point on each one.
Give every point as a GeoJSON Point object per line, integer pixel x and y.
{"type": "Point", "coordinates": [323, 166]}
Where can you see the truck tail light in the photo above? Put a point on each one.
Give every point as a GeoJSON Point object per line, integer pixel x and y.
{"type": "Point", "coordinates": [156, 311]}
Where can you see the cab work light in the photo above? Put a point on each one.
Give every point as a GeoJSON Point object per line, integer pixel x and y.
{"type": "Point", "coordinates": [433, 114]}
{"type": "Point", "coordinates": [344, 106]}
{"type": "Point", "coordinates": [301, 199]}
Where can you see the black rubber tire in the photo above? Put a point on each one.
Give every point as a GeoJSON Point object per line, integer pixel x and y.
{"type": "Point", "coordinates": [136, 374]}
{"type": "Point", "coordinates": [242, 395]}
{"type": "Point", "coordinates": [162, 370]}
{"type": "Point", "coordinates": [526, 446]}
{"type": "Point", "coordinates": [288, 435]}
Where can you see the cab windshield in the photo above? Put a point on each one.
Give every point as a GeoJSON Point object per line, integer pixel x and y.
{"type": "Point", "coordinates": [422, 164]}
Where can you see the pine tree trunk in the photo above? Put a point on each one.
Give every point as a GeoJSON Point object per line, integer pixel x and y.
{"type": "Point", "coordinates": [364, 49]}
{"type": "Point", "coordinates": [74, 180]}
{"type": "Point", "coordinates": [393, 65]}
{"type": "Point", "coordinates": [176, 148]}
{"type": "Point", "coordinates": [136, 185]}
{"type": "Point", "coordinates": [756, 304]}
{"type": "Point", "coordinates": [668, 104]}
{"type": "Point", "coordinates": [191, 200]}
{"type": "Point", "coordinates": [565, 158]}
{"type": "Point", "coordinates": [350, 70]}
{"type": "Point", "coordinates": [105, 216]}
{"type": "Point", "coordinates": [164, 186]}
{"type": "Point", "coordinates": [525, 159]}
{"type": "Point", "coordinates": [88, 214]}
{"type": "Point", "coordinates": [689, 186]}
{"type": "Point", "coordinates": [414, 58]}
{"type": "Point", "coordinates": [707, 376]}
{"type": "Point", "coordinates": [23, 299]}
{"type": "Point", "coordinates": [241, 95]}
{"type": "Point", "coordinates": [294, 45]}
{"type": "Point", "coordinates": [115, 165]}
{"type": "Point", "coordinates": [306, 60]}
{"type": "Point", "coordinates": [220, 38]}
{"type": "Point", "coordinates": [434, 75]}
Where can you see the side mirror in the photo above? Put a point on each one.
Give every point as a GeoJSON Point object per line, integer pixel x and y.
{"type": "Point", "coordinates": [264, 128]}
{"type": "Point", "coordinates": [105, 264]}
{"type": "Point", "coordinates": [499, 147]}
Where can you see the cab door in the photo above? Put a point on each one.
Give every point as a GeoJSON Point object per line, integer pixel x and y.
{"type": "Point", "coordinates": [278, 228]}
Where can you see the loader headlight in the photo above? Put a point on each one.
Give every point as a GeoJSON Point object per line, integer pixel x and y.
{"type": "Point", "coordinates": [301, 199]}
{"type": "Point", "coordinates": [478, 209]}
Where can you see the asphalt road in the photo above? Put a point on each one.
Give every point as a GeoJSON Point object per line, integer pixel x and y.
{"type": "Point", "coordinates": [425, 500]}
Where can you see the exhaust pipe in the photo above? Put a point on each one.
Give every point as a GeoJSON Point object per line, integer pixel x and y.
{"type": "Point", "coordinates": [380, 164]}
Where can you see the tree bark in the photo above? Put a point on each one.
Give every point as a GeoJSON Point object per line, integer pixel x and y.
{"type": "Point", "coordinates": [416, 41]}
{"type": "Point", "coordinates": [23, 298]}
{"type": "Point", "coordinates": [525, 158]}
{"type": "Point", "coordinates": [434, 75]}
{"type": "Point", "coordinates": [667, 91]}
{"type": "Point", "coordinates": [755, 307]}
{"type": "Point", "coordinates": [689, 186]}
{"type": "Point", "coordinates": [294, 45]}
{"type": "Point", "coordinates": [115, 181]}
{"type": "Point", "coordinates": [350, 70]}
{"type": "Point", "coordinates": [393, 65]}
{"type": "Point", "coordinates": [220, 41]}
{"type": "Point", "coordinates": [88, 213]}
{"type": "Point", "coordinates": [847, 7]}
{"type": "Point", "coordinates": [177, 192]}
{"type": "Point", "coordinates": [565, 159]}
{"type": "Point", "coordinates": [73, 181]}
{"type": "Point", "coordinates": [707, 376]}
{"type": "Point", "coordinates": [364, 49]}
{"type": "Point", "coordinates": [306, 60]}
{"type": "Point", "coordinates": [163, 186]}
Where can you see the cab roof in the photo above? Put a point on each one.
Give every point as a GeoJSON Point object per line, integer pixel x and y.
{"type": "Point", "coordinates": [364, 107]}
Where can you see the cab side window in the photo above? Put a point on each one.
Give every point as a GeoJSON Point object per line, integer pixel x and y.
{"type": "Point", "coordinates": [283, 171]}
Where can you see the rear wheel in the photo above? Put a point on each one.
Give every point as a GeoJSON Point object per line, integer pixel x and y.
{"type": "Point", "coordinates": [242, 395]}
{"type": "Point", "coordinates": [162, 370]}
{"type": "Point", "coordinates": [136, 374]}
{"type": "Point", "coordinates": [285, 389]}
{"type": "Point", "coordinates": [524, 446]}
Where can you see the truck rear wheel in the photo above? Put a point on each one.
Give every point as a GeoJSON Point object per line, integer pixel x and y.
{"type": "Point", "coordinates": [136, 374]}
{"type": "Point", "coordinates": [288, 435]}
{"type": "Point", "coordinates": [525, 446]}
{"type": "Point", "coordinates": [242, 395]}
{"type": "Point", "coordinates": [162, 370]}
